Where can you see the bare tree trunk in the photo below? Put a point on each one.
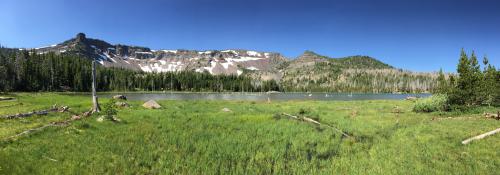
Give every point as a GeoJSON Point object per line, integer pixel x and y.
{"type": "Point", "coordinates": [96, 107]}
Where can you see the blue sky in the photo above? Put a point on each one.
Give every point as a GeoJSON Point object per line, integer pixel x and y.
{"type": "Point", "coordinates": [418, 35]}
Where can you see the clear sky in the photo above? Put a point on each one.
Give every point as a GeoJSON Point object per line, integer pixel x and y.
{"type": "Point", "coordinates": [418, 35]}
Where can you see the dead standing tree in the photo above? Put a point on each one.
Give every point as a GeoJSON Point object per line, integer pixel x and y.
{"type": "Point", "coordinates": [95, 107]}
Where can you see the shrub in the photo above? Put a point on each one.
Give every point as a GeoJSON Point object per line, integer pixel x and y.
{"type": "Point", "coordinates": [110, 109]}
{"type": "Point", "coordinates": [303, 111]}
{"type": "Point", "coordinates": [438, 102]}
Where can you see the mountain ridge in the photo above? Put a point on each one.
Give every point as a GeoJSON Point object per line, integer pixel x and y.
{"type": "Point", "coordinates": [136, 57]}
{"type": "Point", "coordinates": [309, 71]}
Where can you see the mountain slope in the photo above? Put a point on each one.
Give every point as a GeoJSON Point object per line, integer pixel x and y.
{"type": "Point", "coordinates": [314, 72]}
{"type": "Point", "coordinates": [308, 72]}
{"type": "Point", "coordinates": [147, 60]}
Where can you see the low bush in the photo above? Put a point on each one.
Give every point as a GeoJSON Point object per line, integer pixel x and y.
{"type": "Point", "coordinates": [438, 102]}
{"type": "Point", "coordinates": [110, 109]}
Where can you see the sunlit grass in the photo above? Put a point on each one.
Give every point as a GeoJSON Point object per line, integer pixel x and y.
{"type": "Point", "coordinates": [197, 137]}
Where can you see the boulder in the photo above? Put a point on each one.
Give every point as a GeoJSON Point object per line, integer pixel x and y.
{"type": "Point", "coordinates": [151, 104]}
{"type": "Point", "coordinates": [120, 97]}
{"type": "Point", "coordinates": [226, 110]}
{"type": "Point", "coordinates": [122, 104]}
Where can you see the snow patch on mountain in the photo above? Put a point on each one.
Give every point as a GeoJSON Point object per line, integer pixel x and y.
{"type": "Point", "coordinates": [146, 53]}
{"type": "Point", "coordinates": [226, 65]}
{"type": "Point", "coordinates": [205, 52]}
{"type": "Point", "coordinates": [230, 51]}
{"type": "Point", "coordinates": [252, 68]}
{"type": "Point", "coordinates": [170, 51]}
{"type": "Point", "coordinates": [243, 59]}
{"type": "Point", "coordinates": [253, 53]}
{"type": "Point", "coordinates": [266, 55]}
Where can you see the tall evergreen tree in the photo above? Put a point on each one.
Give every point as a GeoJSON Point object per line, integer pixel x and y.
{"type": "Point", "coordinates": [476, 79]}
{"type": "Point", "coordinates": [3, 74]}
{"type": "Point", "coordinates": [462, 92]}
{"type": "Point", "coordinates": [443, 85]}
{"type": "Point", "coordinates": [490, 83]}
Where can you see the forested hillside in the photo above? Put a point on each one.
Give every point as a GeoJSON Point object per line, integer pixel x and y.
{"type": "Point", "coordinates": [25, 71]}
{"type": "Point", "coordinates": [313, 72]}
{"type": "Point", "coordinates": [28, 70]}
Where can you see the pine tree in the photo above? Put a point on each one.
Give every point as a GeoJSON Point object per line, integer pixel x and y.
{"type": "Point", "coordinates": [3, 77]}
{"type": "Point", "coordinates": [490, 83]}
{"type": "Point", "coordinates": [476, 79]}
{"type": "Point", "coordinates": [462, 92]}
{"type": "Point", "coordinates": [442, 83]}
{"type": "Point", "coordinates": [496, 99]}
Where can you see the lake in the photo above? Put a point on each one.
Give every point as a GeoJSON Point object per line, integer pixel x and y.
{"type": "Point", "coordinates": [261, 96]}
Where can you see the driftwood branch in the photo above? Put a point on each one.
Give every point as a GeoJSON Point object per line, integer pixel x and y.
{"type": "Point", "coordinates": [30, 131]}
{"type": "Point", "coordinates": [41, 112]}
{"type": "Point", "coordinates": [479, 137]}
{"type": "Point", "coordinates": [60, 123]}
{"type": "Point", "coordinates": [6, 98]}
{"type": "Point", "coordinates": [292, 116]}
{"type": "Point", "coordinates": [310, 120]}
{"type": "Point", "coordinates": [491, 115]}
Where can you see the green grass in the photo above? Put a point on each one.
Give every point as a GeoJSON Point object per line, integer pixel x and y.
{"type": "Point", "coordinates": [197, 137]}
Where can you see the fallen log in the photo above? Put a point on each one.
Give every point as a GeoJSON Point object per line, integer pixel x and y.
{"type": "Point", "coordinates": [59, 123]}
{"type": "Point", "coordinates": [310, 120]}
{"type": "Point", "coordinates": [492, 115]}
{"type": "Point", "coordinates": [41, 112]}
{"type": "Point", "coordinates": [29, 131]}
{"type": "Point", "coordinates": [479, 137]}
{"type": "Point", "coordinates": [295, 117]}
{"type": "Point", "coordinates": [6, 98]}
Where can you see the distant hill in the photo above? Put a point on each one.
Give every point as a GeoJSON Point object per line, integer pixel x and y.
{"type": "Point", "coordinates": [314, 72]}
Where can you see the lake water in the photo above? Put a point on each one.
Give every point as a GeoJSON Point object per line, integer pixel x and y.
{"type": "Point", "coordinates": [261, 96]}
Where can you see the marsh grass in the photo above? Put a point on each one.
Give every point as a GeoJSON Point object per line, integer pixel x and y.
{"type": "Point", "coordinates": [197, 137]}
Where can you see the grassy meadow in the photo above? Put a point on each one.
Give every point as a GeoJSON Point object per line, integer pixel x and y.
{"type": "Point", "coordinates": [197, 137]}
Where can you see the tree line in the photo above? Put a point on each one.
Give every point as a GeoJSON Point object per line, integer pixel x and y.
{"type": "Point", "coordinates": [31, 72]}
{"type": "Point", "coordinates": [472, 86]}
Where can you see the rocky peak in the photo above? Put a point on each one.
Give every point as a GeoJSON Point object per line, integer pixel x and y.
{"type": "Point", "coordinates": [308, 56]}
{"type": "Point", "coordinates": [80, 37]}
